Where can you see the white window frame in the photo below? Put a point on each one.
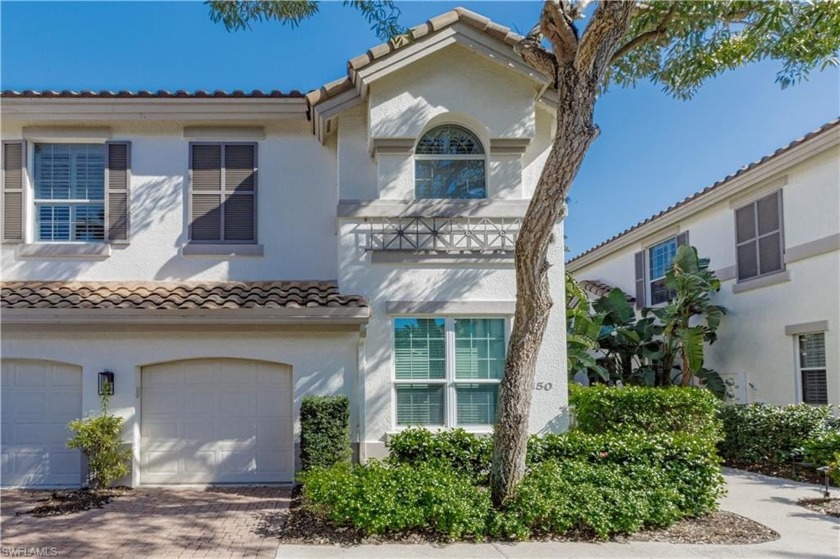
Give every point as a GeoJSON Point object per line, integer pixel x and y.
{"type": "Point", "coordinates": [483, 157]}
{"type": "Point", "coordinates": [32, 202]}
{"type": "Point", "coordinates": [781, 230]}
{"type": "Point", "coordinates": [649, 279]}
{"type": "Point", "coordinates": [800, 388]}
{"type": "Point", "coordinates": [450, 411]}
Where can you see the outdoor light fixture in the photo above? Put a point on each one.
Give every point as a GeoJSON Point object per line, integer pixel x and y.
{"type": "Point", "coordinates": [106, 383]}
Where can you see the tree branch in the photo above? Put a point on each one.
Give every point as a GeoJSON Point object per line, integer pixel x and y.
{"type": "Point", "coordinates": [647, 36]}
{"type": "Point", "coordinates": [538, 58]}
{"type": "Point", "coordinates": [608, 26]}
{"type": "Point", "coordinates": [557, 27]}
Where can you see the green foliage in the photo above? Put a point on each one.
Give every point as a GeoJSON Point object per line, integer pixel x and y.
{"type": "Point", "coordinates": [823, 449]}
{"type": "Point", "coordinates": [100, 440]}
{"type": "Point", "coordinates": [689, 319]}
{"type": "Point", "coordinates": [685, 462]}
{"type": "Point", "coordinates": [235, 15]}
{"type": "Point", "coordinates": [665, 341]}
{"type": "Point", "coordinates": [324, 431]}
{"type": "Point", "coordinates": [463, 452]}
{"type": "Point", "coordinates": [379, 499]}
{"type": "Point", "coordinates": [760, 433]}
{"type": "Point", "coordinates": [601, 409]}
{"type": "Point", "coordinates": [679, 45]}
{"type": "Point", "coordinates": [606, 499]}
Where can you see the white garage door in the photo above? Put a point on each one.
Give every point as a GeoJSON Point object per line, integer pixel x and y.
{"type": "Point", "coordinates": [216, 421]}
{"type": "Point", "coordinates": [38, 400]}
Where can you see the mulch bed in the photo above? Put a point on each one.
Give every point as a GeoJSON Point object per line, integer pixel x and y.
{"type": "Point", "coordinates": [831, 507]}
{"type": "Point", "coordinates": [804, 474]}
{"type": "Point", "coordinates": [69, 502]}
{"type": "Point", "coordinates": [299, 525]}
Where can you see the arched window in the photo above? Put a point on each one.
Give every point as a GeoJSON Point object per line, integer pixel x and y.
{"type": "Point", "coordinates": [449, 162]}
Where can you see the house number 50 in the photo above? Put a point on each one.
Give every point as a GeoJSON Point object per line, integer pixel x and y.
{"type": "Point", "coordinates": [543, 386]}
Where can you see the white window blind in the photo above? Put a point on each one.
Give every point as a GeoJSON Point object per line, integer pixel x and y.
{"type": "Point", "coordinates": [812, 368]}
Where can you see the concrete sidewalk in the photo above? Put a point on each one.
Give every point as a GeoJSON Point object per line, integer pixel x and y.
{"type": "Point", "coordinates": [770, 501]}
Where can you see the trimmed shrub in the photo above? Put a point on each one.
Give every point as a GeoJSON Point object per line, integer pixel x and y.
{"type": "Point", "coordinates": [823, 449]}
{"type": "Point", "coordinates": [686, 463]}
{"type": "Point", "coordinates": [378, 498]}
{"type": "Point", "coordinates": [464, 452]}
{"type": "Point", "coordinates": [324, 431]}
{"type": "Point", "coordinates": [100, 440]}
{"type": "Point", "coordinates": [606, 499]}
{"type": "Point", "coordinates": [674, 409]}
{"type": "Point", "coordinates": [760, 433]}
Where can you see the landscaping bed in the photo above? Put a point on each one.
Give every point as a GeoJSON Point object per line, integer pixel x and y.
{"type": "Point", "coordinates": [59, 502]}
{"type": "Point", "coordinates": [300, 525]}
{"type": "Point", "coordinates": [831, 507]}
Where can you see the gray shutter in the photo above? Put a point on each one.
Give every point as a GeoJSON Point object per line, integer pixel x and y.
{"type": "Point", "coordinates": [118, 177]}
{"type": "Point", "coordinates": [745, 231]}
{"type": "Point", "coordinates": [640, 279]}
{"type": "Point", "coordinates": [240, 192]}
{"type": "Point", "coordinates": [769, 217]}
{"type": "Point", "coordinates": [682, 239]}
{"type": "Point", "coordinates": [206, 197]}
{"type": "Point", "coordinates": [14, 165]}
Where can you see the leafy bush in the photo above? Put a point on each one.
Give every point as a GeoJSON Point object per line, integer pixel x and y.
{"type": "Point", "coordinates": [602, 409]}
{"type": "Point", "coordinates": [324, 431]}
{"type": "Point", "coordinates": [100, 440]}
{"type": "Point", "coordinates": [823, 449]}
{"type": "Point", "coordinates": [560, 497]}
{"type": "Point", "coordinates": [686, 463]}
{"type": "Point", "coordinates": [453, 448]}
{"type": "Point", "coordinates": [762, 433]}
{"type": "Point", "coordinates": [378, 498]}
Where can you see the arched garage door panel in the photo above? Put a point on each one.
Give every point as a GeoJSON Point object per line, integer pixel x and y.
{"type": "Point", "coordinates": [216, 421]}
{"type": "Point", "coordinates": [39, 399]}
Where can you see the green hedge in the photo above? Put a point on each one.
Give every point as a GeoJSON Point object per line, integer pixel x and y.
{"type": "Point", "coordinates": [602, 409]}
{"type": "Point", "coordinates": [324, 431]}
{"type": "Point", "coordinates": [377, 499]}
{"type": "Point", "coordinates": [464, 452]}
{"type": "Point", "coordinates": [761, 433]}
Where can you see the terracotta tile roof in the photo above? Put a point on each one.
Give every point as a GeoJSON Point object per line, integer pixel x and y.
{"type": "Point", "coordinates": [599, 289]}
{"type": "Point", "coordinates": [437, 23]}
{"type": "Point", "coordinates": [144, 94]}
{"type": "Point", "coordinates": [174, 296]}
{"type": "Point", "coordinates": [824, 128]}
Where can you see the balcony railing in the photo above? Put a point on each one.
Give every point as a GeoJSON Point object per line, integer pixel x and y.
{"type": "Point", "coordinates": [443, 234]}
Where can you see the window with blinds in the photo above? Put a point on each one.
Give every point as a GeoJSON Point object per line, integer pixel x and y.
{"type": "Point", "coordinates": [449, 162]}
{"type": "Point", "coordinates": [812, 368]}
{"type": "Point", "coordinates": [223, 192]}
{"type": "Point", "coordinates": [69, 192]}
{"type": "Point", "coordinates": [758, 232]}
{"type": "Point", "coordinates": [447, 371]}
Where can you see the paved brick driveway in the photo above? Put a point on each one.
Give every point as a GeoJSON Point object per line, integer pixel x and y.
{"type": "Point", "coordinates": [211, 522]}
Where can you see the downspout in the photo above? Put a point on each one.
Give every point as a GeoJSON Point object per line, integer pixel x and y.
{"type": "Point", "coordinates": [360, 392]}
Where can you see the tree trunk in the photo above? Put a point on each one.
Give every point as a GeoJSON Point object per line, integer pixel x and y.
{"type": "Point", "coordinates": [575, 133]}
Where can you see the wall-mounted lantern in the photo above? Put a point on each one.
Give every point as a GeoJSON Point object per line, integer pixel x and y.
{"type": "Point", "coordinates": [106, 383]}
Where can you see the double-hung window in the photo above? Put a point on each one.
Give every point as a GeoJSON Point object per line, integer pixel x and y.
{"type": "Point", "coordinates": [812, 368]}
{"type": "Point", "coordinates": [759, 240]}
{"type": "Point", "coordinates": [223, 192]}
{"type": "Point", "coordinates": [447, 370]}
{"type": "Point", "coordinates": [652, 265]}
{"type": "Point", "coordinates": [69, 192]}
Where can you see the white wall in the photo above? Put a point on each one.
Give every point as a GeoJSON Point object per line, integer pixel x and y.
{"type": "Point", "coordinates": [752, 336]}
{"type": "Point", "coordinates": [295, 173]}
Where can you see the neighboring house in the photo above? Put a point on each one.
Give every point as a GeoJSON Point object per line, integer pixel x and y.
{"type": "Point", "coordinates": [226, 254]}
{"type": "Point", "coordinates": [772, 233]}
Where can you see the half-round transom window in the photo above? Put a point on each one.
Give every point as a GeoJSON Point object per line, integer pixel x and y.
{"type": "Point", "coordinates": [449, 163]}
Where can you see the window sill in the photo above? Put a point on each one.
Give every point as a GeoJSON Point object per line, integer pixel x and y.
{"type": "Point", "coordinates": [481, 431]}
{"type": "Point", "coordinates": [758, 283]}
{"type": "Point", "coordinates": [198, 250]}
{"type": "Point", "coordinates": [85, 251]}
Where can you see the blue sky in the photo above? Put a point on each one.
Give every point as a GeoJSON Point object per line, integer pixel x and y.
{"type": "Point", "coordinates": [652, 152]}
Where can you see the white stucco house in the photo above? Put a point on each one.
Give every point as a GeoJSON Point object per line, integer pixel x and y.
{"type": "Point", "coordinates": [224, 255]}
{"type": "Point", "coordinates": [772, 233]}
